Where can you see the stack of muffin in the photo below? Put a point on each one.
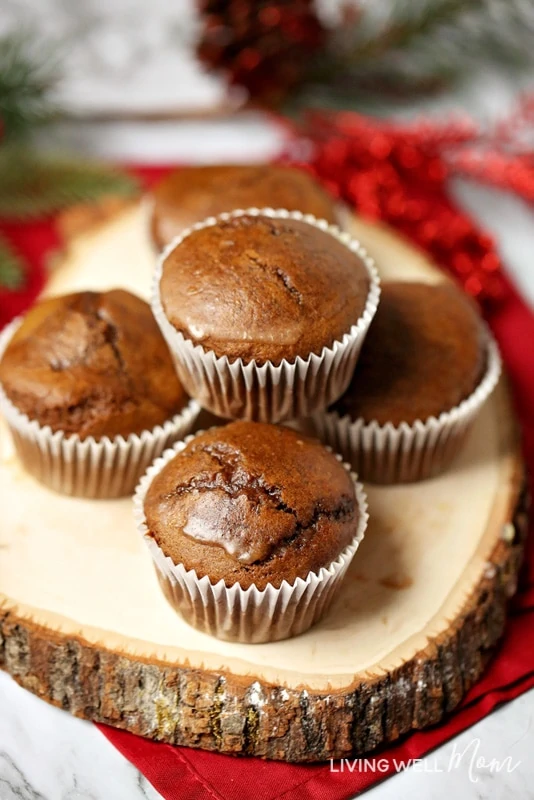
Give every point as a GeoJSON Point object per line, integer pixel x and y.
{"type": "Point", "coordinates": [258, 316]}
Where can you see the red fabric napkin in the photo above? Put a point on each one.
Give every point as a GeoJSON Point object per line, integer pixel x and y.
{"type": "Point", "coordinates": [178, 772]}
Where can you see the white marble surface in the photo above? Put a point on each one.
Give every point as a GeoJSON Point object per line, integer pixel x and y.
{"type": "Point", "coordinates": [47, 755]}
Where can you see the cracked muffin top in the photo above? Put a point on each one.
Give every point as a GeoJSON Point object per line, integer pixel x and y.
{"type": "Point", "coordinates": [263, 289]}
{"type": "Point", "coordinates": [252, 503]}
{"type": "Point", "coordinates": [423, 355]}
{"type": "Point", "coordinates": [92, 363]}
{"type": "Point", "coordinates": [190, 195]}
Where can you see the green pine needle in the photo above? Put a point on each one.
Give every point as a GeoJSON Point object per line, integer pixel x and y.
{"type": "Point", "coordinates": [29, 69]}
{"type": "Point", "coordinates": [33, 185]}
{"type": "Point", "coordinates": [419, 47]}
{"type": "Point", "coordinates": [11, 267]}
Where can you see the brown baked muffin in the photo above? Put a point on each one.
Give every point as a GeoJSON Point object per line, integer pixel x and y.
{"type": "Point", "coordinates": [191, 195]}
{"type": "Point", "coordinates": [251, 503]}
{"type": "Point", "coordinates": [263, 289]}
{"type": "Point", "coordinates": [424, 354]}
{"type": "Point", "coordinates": [94, 364]}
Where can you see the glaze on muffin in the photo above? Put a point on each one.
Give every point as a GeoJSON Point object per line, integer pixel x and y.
{"type": "Point", "coordinates": [252, 503]}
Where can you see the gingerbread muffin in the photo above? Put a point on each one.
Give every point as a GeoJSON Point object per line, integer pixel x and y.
{"type": "Point", "coordinates": [424, 354]}
{"type": "Point", "coordinates": [190, 195]}
{"type": "Point", "coordinates": [92, 365]}
{"type": "Point", "coordinates": [249, 507]}
{"type": "Point", "coordinates": [264, 290]}
{"type": "Point", "coordinates": [425, 369]}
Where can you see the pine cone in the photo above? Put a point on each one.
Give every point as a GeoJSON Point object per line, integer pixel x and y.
{"type": "Point", "coordinates": [263, 46]}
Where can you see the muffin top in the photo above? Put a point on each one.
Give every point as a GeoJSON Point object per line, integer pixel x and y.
{"type": "Point", "coordinates": [252, 503]}
{"type": "Point", "coordinates": [92, 363]}
{"type": "Point", "coordinates": [190, 195]}
{"type": "Point", "coordinates": [423, 355]}
{"type": "Point", "coordinates": [263, 289]}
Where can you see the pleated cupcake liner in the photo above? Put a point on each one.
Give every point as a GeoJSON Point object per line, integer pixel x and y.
{"type": "Point", "coordinates": [268, 392]}
{"type": "Point", "coordinates": [92, 468]}
{"type": "Point", "coordinates": [247, 615]}
{"type": "Point", "coordinates": [389, 454]}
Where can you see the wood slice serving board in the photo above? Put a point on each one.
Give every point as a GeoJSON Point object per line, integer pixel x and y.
{"type": "Point", "coordinates": [84, 625]}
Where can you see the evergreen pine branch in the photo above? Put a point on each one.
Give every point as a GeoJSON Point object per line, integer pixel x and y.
{"type": "Point", "coordinates": [407, 22]}
{"type": "Point", "coordinates": [11, 267]}
{"type": "Point", "coordinates": [28, 72]}
{"type": "Point", "coordinates": [32, 185]}
{"type": "Point", "coordinates": [422, 46]}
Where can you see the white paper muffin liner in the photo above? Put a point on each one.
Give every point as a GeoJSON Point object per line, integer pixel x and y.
{"type": "Point", "coordinates": [245, 615]}
{"type": "Point", "coordinates": [389, 454]}
{"type": "Point", "coordinates": [90, 468]}
{"type": "Point", "coordinates": [268, 392]}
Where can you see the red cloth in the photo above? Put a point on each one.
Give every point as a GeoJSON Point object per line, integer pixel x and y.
{"type": "Point", "coordinates": [178, 772]}
{"type": "Point", "coordinates": [34, 242]}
